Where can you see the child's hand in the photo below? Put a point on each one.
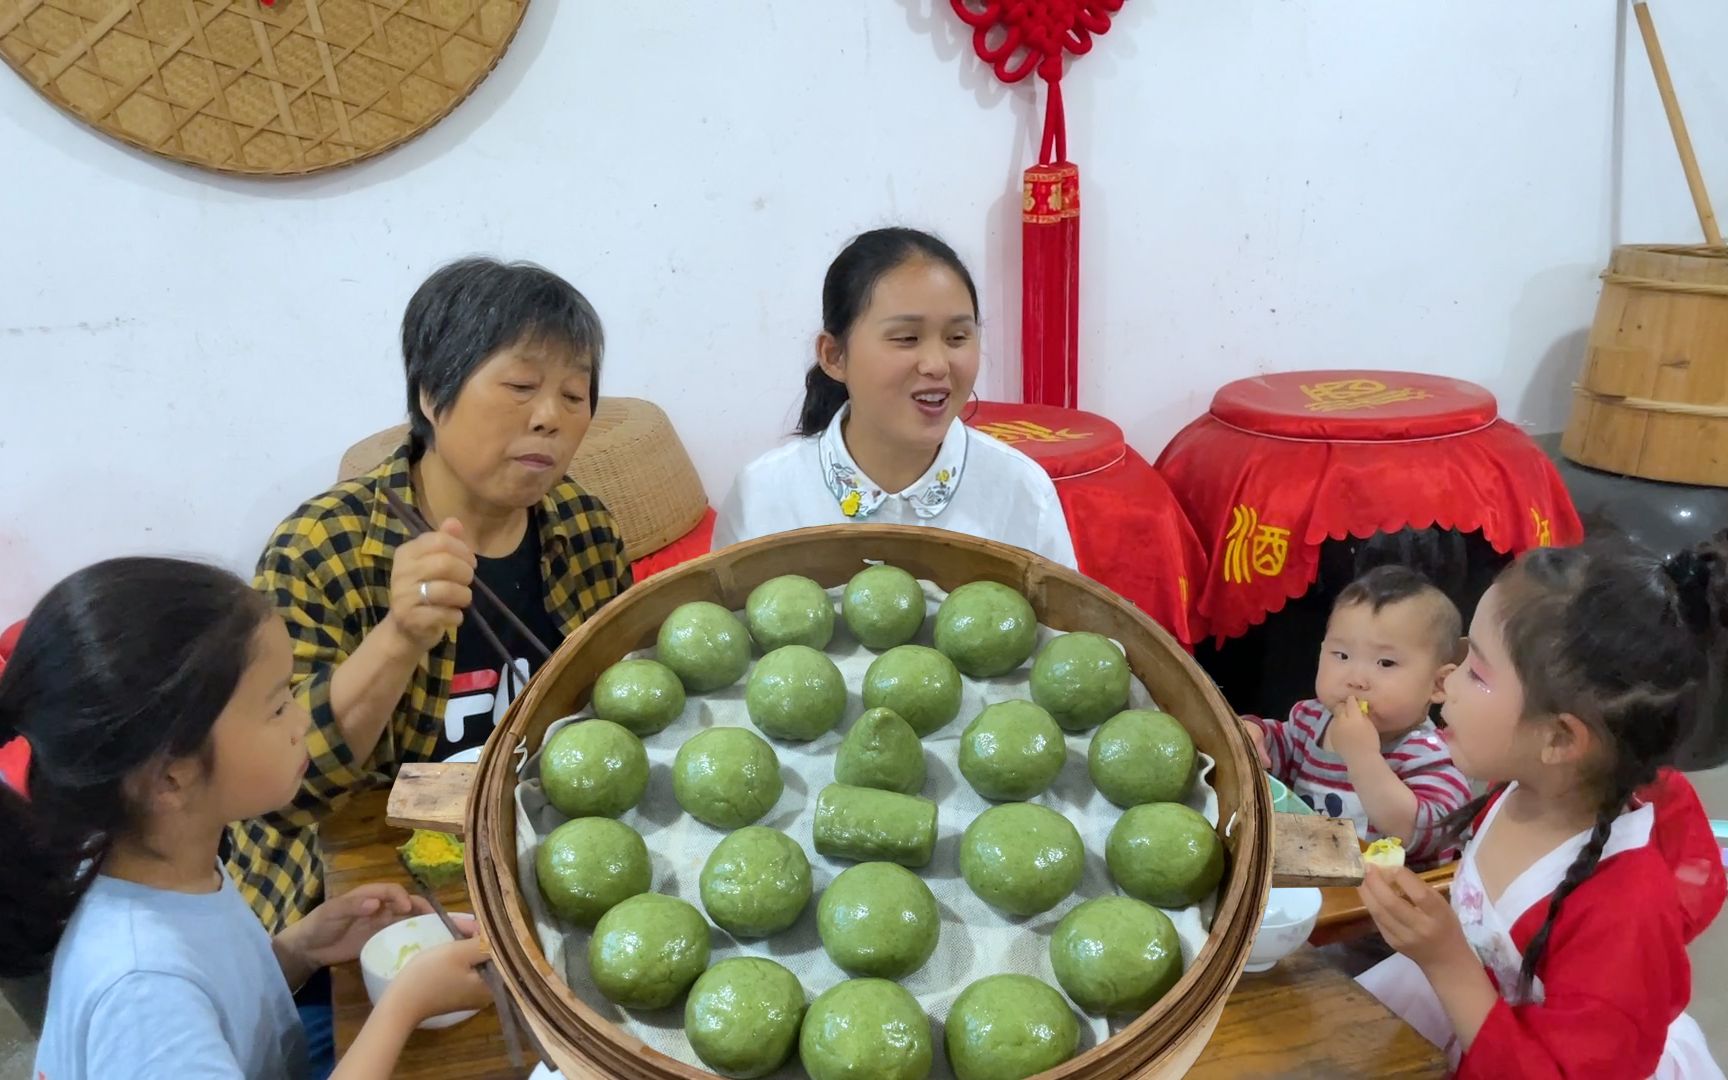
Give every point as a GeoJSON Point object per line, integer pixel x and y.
{"type": "Point", "coordinates": [334, 931]}
{"type": "Point", "coordinates": [1258, 738]}
{"type": "Point", "coordinates": [1413, 917]}
{"type": "Point", "coordinates": [1351, 734]}
{"type": "Point", "coordinates": [441, 980]}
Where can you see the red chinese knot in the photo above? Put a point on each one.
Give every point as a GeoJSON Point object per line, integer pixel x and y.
{"type": "Point", "coordinates": [1016, 38]}
{"type": "Point", "coordinates": [1032, 35]}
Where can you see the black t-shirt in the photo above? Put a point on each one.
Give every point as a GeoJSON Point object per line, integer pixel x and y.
{"type": "Point", "coordinates": [479, 692]}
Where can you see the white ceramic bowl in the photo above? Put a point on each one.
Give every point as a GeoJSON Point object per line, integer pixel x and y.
{"type": "Point", "coordinates": [381, 959]}
{"type": "Point", "coordinates": [1289, 919]}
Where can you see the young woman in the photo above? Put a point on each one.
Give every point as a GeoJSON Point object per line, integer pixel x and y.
{"type": "Point", "coordinates": [880, 434]}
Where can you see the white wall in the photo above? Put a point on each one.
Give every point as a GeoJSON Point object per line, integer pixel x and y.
{"type": "Point", "coordinates": [1268, 185]}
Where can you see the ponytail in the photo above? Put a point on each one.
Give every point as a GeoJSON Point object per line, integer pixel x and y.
{"type": "Point", "coordinates": [1700, 579]}
{"type": "Point", "coordinates": [846, 293]}
{"type": "Point", "coordinates": [824, 397]}
{"type": "Point", "coordinates": [125, 664]}
{"type": "Point", "coordinates": [1700, 582]}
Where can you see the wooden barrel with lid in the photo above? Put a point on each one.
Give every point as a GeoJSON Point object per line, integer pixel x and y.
{"type": "Point", "coordinates": [1653, 398]}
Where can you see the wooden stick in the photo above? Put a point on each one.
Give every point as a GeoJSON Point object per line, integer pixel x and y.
{"type": "Point", "coordinates": [502, 1001]}
{"type": "Point", "coordinates": [1677, 125]}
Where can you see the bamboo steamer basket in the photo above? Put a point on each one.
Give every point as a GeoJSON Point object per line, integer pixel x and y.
{"type": "Point", "coordinates": [1653, 399]}
{"type": "Point", "coordinates": [1162, 1042]}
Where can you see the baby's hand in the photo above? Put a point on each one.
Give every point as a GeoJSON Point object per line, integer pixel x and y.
{"type": "Point", "coordinates": [1258, 738]}
{"type": "Point", "coordinates": [1351, 733]}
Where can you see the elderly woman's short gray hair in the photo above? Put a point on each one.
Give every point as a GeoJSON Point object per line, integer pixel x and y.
{"type": "Point", "coordinates": [470, 309]}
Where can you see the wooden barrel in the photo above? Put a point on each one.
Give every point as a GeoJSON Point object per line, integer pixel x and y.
{"type": "Point", "coordinates": [1162, 1042]}
{"type": "Point", "coordinates": [1653, 400]}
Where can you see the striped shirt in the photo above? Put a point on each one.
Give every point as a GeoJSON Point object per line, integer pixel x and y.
{"type": "Point", "coordinates": [1320, 778]}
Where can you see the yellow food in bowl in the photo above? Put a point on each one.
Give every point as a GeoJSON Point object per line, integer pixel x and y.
{"type": "Point", "coordinates": [403, 955]}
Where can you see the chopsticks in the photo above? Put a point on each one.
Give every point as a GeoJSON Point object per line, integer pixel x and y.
{"type": "Point", "coordinates": [418, 526]}
{"type": "Point", "coordinates": [508, 1017]}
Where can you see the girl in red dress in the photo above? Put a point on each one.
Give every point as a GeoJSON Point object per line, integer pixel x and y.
{"type": "Point", "coordinates": [1591, 865]}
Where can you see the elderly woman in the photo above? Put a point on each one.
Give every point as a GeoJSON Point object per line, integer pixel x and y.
{"type": "Point", "coordinates": [503, 370]}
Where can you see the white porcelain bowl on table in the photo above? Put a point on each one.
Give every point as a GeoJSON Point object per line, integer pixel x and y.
{"type": "Point", "coordinates": [1289, 919]}
{"type": "Point", "coordinates": [383, 957]}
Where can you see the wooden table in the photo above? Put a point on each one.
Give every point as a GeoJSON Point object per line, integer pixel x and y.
{"type": "Point", "coordinates": [360, 848]}
{"type": "Point", "coordinates": [1304, 1018]}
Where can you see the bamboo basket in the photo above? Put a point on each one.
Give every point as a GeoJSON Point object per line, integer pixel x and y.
{"type": "Point", "coordinates": [1653, 399]}
{"type": "Point", "coordinates": [1162, 1042]}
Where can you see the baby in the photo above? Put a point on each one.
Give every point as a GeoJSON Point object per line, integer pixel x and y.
{"type": "Point", "coordinates": [1365, 748]}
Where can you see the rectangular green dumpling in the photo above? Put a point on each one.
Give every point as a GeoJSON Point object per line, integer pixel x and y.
{"type": "Point", "coordinates": [867, 825]}
{"type": "Point", "coordinates": [434, 858]}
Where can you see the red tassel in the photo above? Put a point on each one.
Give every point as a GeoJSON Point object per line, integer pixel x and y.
{"type": "Point", "coordinates": [1050, 285]}
{"type": "Point", "coordinates": [1033, 35]}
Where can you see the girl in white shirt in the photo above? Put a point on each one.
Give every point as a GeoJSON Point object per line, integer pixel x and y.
{"type": "Point", "coordinates": [880, 436]}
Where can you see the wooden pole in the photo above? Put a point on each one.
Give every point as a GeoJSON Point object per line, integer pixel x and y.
{"type": "Point", "coordinates": [1677, 125]}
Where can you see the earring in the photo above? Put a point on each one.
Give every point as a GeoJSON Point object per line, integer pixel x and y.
{"type": "Point", "coordinates": [971, 408]}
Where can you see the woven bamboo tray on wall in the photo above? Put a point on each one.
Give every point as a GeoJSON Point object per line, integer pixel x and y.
{"type": "Point", "coordinates": [238, 87]}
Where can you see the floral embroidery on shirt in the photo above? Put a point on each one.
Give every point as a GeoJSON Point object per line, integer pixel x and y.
{"type": "Point", "coordinates": [859, 496]}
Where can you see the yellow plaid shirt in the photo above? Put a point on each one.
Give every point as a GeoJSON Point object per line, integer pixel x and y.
{"type": "Point", "coordinates": [328, 569]}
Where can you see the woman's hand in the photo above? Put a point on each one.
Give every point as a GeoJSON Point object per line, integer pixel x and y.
{"type": "Point", "coordinates": [429, 587]}
{"type": "Point", "coordinates": [334, 931]}
{"type": "Point", "coordinates": [442, 980]}
{"type": "Point", "coordinates": [1414, 918]}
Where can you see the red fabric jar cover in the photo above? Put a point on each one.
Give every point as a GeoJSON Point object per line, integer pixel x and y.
{"type": "Point", "coordinates": [1283, 463]}
{"type": "Point", "coordinates": [692, 545]}
{"type": "Point", "coordinates": [14, 755]}
{"type": "Point", "coordinates": [1129, 533]}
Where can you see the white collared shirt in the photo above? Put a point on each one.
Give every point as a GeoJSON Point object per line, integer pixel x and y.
{"type": "Point", "coordinates": [976, 485]}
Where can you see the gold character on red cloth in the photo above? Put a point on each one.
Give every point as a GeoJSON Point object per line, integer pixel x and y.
{"type": "Point", "coordinates": [1544, 532]}
{"type": "Point", "coordinates": [1347, 395]}
{"type": "Point", "coordinates": [1253, 547]}
{"type": "Point", "coordinates": [1014, 431]}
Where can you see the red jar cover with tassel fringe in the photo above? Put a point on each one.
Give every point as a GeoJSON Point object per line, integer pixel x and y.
{"type": "Point", "coordinates": [1282, 463]}
{"type": "Point", "coordinates": [1129, 533]}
